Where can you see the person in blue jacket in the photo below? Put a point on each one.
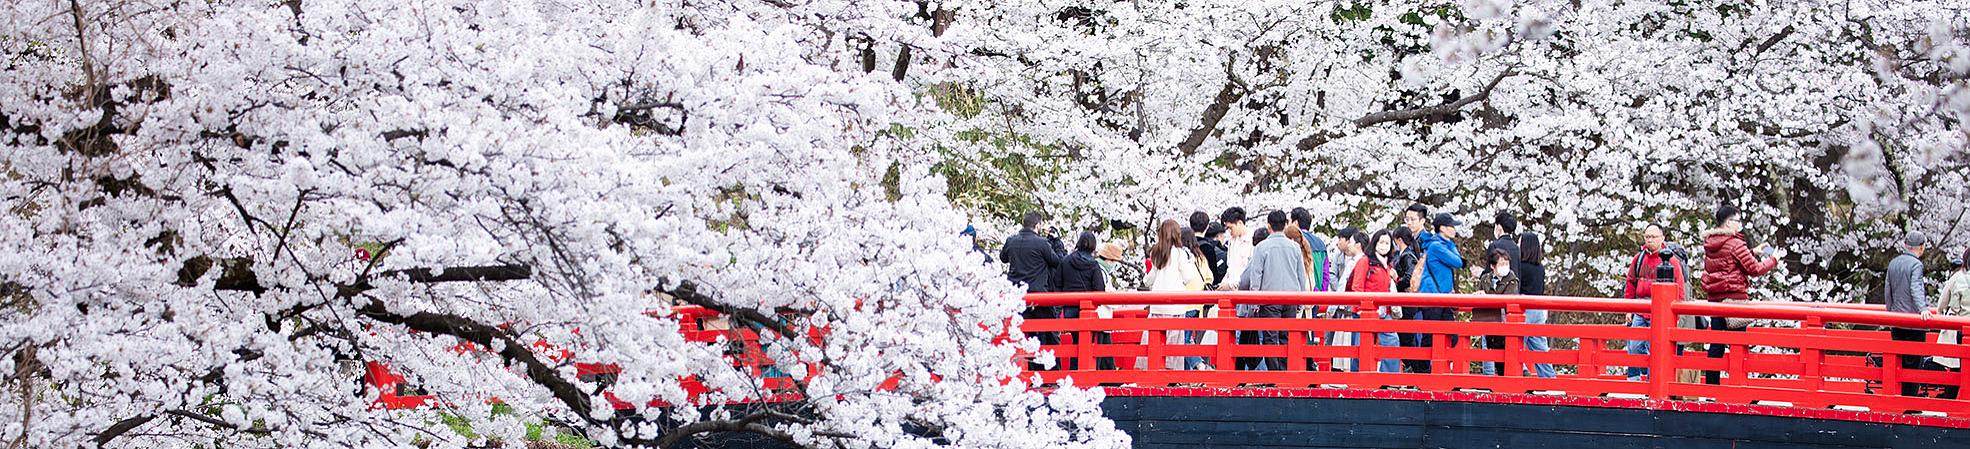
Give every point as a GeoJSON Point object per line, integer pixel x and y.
{"type": "Point", "coordinates": [1438, 268]}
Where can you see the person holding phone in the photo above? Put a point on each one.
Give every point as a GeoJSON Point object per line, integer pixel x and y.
{"type": "Point", "coordinates": [1728, 266]}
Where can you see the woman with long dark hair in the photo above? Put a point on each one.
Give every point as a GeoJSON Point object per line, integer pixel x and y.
{"type": "Point", "coordinates": [1532, 281]}
{"type": "Point", "coordinates": [1175, 269]}
{"type": "Point", "coordinates": [1373, 274]}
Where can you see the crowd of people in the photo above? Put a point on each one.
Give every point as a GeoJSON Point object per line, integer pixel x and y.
{"type": "Point", "coordinates": [1421, 255]}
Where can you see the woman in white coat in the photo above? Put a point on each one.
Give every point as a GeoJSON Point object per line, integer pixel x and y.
{"type": "Point", "coordinates": [1174, 269]}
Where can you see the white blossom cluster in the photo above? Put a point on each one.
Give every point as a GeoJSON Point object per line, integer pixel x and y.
{"type": "Point", "coordinates": [191, 188]}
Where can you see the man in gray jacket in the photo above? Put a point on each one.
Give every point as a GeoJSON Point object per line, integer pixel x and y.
{"type": "Point", "coordinates": [1276, 265]}
{"type": "Point", "coordinates": [1905, 293]}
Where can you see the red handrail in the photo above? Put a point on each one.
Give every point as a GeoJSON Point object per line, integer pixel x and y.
{"type": "Point", "coordinates": [1813, 366]}
{"type": "Point", "coordinates": [1821, 367]}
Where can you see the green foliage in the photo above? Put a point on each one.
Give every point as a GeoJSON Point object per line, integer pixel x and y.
{"type": "Point", "coordinates": [1000, 184]}
{"type": "Point", "coordinates": [1353, 12]}
{"type": "Point", "coordinates": [957, 100]}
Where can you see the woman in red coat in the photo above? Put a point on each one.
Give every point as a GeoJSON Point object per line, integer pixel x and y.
{"type": "Point", "coordinates": [1372, 274]}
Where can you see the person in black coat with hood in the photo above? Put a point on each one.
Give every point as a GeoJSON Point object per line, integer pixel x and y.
{"type": "Point", "coordinates": [1080, 272]}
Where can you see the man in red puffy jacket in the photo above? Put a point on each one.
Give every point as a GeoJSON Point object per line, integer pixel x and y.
{"type": "Point", "coordinates": [1728, 266]}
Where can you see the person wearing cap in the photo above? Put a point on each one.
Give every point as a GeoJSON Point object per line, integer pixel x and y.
{"type": "Point", "coordinates": [1438, 268]}
{"type": "Point", "coordinates": [1440, 257]}
{"type": "Point", "coordinates": [1905, 293]}
{"type": "Point", "coordinates": [1728, 266]}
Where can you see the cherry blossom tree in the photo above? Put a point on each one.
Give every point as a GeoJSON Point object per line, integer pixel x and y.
{"type": "Point", "coordinates": [216, 209]}
{"type": "Point", "coordinates": [1838, 125]}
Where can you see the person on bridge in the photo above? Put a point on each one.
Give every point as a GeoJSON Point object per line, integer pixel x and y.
{"type": "Point", "coordinates": [1031, 260]}
{"type": "Point", "coordinates": [1122, 276]}
{"type": "Point", "coordinates": [1277, 264]}
{"type": "Point", "coordinates": [1532, 282]}
{"type": "Point", "coordinates": [1955, 301]}
{"type": "Point", "coordinates": [1641, 275]}
{"type": "Point", "coordinates": [1080, 272]}
{"type": "Point", "coordinates": [1319, 262]}
{"type": "Point", "coordinates": [1350, 254]}
{"type": "Point", "coordinates": [1372, 274]}
{"type": "Point", "coordinates": [1198, 258]}
{"type": "Point", "coordinates": [1175, 270]}
{"type": "Point", "coordinates": [1438, 266]}
{"type": "Point", "coordinates": [1905, 293]}
{"type": "Point", "coordinates": [1504, 231]}
{"type": "Point", "coordinates": [1728, 266]}
{"type": "Point", "coordinates": [1032, 257]}
{"type": "Point", "coordinates": [1208, 244]}
{"type": "Point", "coordinates": [1238, 245]}
{"type": "Point", "coordinates": [1403, 258]}
{"type": "Point", "coordinates": [1500, 278]}
{"type": "Point", "coordinates": [1312, 259]}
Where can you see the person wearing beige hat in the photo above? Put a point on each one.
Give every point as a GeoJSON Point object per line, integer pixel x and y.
{"type": "Point", "coordinates": [1122, 276]}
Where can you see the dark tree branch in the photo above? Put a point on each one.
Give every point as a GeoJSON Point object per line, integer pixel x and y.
{"type": "Point", "coordinates": [508, 272]}
{"type": "Point", "coordinates": [640, 114]}
{"type": "Point", "coordinates": [1234, 89]}
{"type": "Point", "coordinates": [689, 293]}
{"type": "Point", "coordinates": [509, 349]}
{"type": "Point", "coordinates": [402, 133]}
{"type": "Point", "coordinates": [103, 438]}
{"type": "Point", "coordinates": [749, 423]}
{"type": "Point", "coordinates": [902, 64]}
{"type": "Point", "coordinates": [121, 427]}
{"type": "Point", "coordinates": [1434, 111]}
{"type": "Point", "coordinates": [1213, 114]}
{"type": "Point", "coordinates": [1774, 40]}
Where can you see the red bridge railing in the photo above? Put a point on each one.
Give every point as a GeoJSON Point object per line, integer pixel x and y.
{"type": "Point", "coordinates": [1825, 361]}
{"type": "Point", "coordinates": [1810, 356]}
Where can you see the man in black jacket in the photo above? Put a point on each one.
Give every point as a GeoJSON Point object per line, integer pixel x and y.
{"type": "Point", "coordinates": [1031, 256]}
{"type": "Point", "coordinates": [1033, 259]}
{"type": "Point", "coordinates": [1506, 229]}
{"type": "Point", "coordinates": [1200, 223]}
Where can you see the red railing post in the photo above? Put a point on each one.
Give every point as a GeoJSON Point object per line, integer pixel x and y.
{"type": "Point", "coordinates": [1661, 363]}
{"type": "Point", "coordinates": [1813, 357]}
{"type": "Point", "coordinates": [1514, 313]}
{"type": "Point", "coordinates": [1365, 342]}
{"type": "Point", "coordinates": [1083, 340]}
{"type": "Point", "coordinates": [1226, 338]}
{"type": "Point", "coordinates": [1589, 357]}
{"type": "Point", "coordinates": [1155, 340]}
{"type": "Point", "coordinates": [1963, 375]}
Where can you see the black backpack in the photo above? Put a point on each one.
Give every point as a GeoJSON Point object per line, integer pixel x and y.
{"type": "Point", "coordinates": [1675, 253]}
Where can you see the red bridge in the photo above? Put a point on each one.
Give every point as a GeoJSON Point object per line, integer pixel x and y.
{"type": "Point", "coordinates": [1810, 375]}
